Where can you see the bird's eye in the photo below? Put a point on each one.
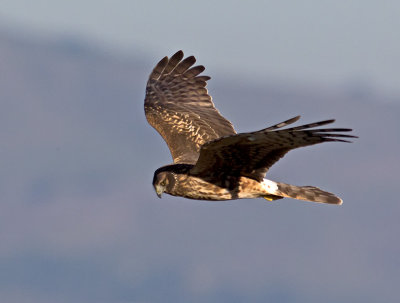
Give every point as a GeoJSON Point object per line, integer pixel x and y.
{"type": "Point", "coordinates": [163, 183]}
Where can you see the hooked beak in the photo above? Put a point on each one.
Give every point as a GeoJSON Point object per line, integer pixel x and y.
{"type": "Point", "coordinates": [159, 190]}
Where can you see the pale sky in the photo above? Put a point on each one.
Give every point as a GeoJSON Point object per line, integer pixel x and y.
{"type": "Point", "coordinates": [312, 41]}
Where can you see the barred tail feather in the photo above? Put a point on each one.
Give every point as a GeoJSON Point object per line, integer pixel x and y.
{"type": "Point", "coordinates": [307, 193]}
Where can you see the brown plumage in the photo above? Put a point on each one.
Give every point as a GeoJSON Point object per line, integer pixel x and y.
{"type": "Point", "coordinates": [179, 107]}
{"type": "Point", "coordinates": [212, 161]}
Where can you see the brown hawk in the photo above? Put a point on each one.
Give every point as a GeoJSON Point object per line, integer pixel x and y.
{"type": "Point", "coordinates": [212, 161]}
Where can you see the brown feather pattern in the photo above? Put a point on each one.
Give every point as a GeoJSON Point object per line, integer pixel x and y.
{"type": "Point", "coordinates": [179, 107]}
{"type": "Point", "coordinates": [252, 154]}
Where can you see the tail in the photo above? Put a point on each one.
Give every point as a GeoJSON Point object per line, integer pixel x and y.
{"type": "Point", "coordinates": [307, 193]}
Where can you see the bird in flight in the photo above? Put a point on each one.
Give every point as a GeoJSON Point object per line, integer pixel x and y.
{"type": "Point", "coordinates": [210, 160]}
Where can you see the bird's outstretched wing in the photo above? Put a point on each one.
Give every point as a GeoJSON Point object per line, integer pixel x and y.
{"type": "Point", "coordinates": [252, 154]}
{"type": "Point", "coordinates": [178, 106]}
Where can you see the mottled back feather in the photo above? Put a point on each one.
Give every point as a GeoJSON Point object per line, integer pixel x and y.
{"type": "Point", "coordinates": [178, 106]}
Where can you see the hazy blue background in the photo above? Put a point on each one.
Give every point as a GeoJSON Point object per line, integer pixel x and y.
{"type": "Point", "coordinates": [327, 41]}
{"type": "Point", "coordinates": [79, 220]}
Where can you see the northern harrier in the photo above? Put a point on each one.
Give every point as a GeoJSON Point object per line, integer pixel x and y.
{"type": "Point", "coordinates": [212, 161]}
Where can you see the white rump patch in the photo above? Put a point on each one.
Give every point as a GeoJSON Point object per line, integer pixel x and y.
{"type": "Point", "coordinates": [270, 186]}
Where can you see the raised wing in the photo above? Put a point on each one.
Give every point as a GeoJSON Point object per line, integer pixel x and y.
{"type": "Point", "coordinates": [252, 154]}
{"type": "Point", "coordinates": [178, 106]}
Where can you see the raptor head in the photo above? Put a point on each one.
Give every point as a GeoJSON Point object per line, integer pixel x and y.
{"type": "Point", "coordinates": [163, 181]}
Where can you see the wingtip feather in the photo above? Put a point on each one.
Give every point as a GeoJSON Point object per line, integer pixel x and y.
{"type": "Point", "coordinates": [159, 68]}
